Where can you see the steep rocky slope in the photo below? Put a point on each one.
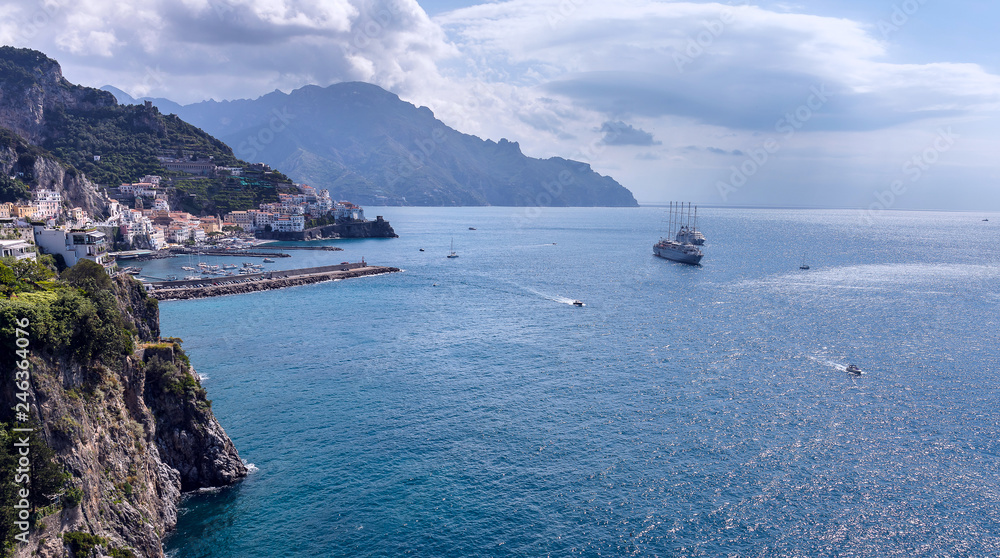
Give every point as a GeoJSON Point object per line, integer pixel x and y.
{"type": "Point", "coordinates": [132, 427]}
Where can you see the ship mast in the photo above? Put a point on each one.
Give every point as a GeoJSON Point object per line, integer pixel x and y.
{"type": "Point", "coordinates": [670, 220]}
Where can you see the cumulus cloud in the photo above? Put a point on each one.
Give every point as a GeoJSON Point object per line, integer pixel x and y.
{"type": "Point", "coordinates": [739, 67]}
{"type": "Point", "coordinates": [195, 49]}
{"type": "Point", "coordinates": [557, 75]}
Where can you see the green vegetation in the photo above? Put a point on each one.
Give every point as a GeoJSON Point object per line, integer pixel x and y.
{"type": "Point", "coordinates": [48, 479]}
{"type": "Point", "coordinates": [12, 189]}
{"type": "Point", "coordinates": [173, 379]}
{"type": "Point", "coordinates": [20, 67]}
{"type": "Point", "coordinates": [114, 144]}
{"type": "Point", "coordinates": [128, 139]}
{"type": "Point", "coordinates": [220, 196]}
{"type": "Point", "coordinates": [78, 317]}
{"type": "Point", "coordinates": [82, 544]}
{"type": "Point", "coordinates": [75, 318]}
{"type": "Point", "coordinates": [17, 276]}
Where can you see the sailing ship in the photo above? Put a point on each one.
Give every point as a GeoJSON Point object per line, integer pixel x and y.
{"type": "Point", "coordinates": [680, 248]}
{"type": "Point", "coordinates": [453, 254]}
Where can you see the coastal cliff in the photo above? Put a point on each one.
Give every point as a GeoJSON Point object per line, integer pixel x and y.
{"type": "Point", "coordinates": [120, 411]}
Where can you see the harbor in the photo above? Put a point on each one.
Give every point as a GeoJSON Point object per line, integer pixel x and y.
{"type": "Point", "coordinates": [268, 280]}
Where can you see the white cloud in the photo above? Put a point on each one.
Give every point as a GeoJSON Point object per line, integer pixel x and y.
{"type": "Point", "coordinates": [546, 73]}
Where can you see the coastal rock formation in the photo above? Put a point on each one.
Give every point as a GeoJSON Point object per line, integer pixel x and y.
{"type": "Point", "coordinates": [132, 433]}
{"type": "Point", "coordinates": [37, 166]}
{"type": "Point", "coordinates": [379, 228]}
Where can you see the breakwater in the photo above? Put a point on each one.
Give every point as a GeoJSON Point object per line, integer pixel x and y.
{"type": "Point", "coordinates": [238, 284]}
{"type": "Point", "coordinates": [223, 252]}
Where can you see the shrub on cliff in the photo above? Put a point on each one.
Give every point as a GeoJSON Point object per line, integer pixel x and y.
{"type": "Point", "coordinates": [48, 479]}
{"type": "Point", "coordinates": [12, 189]}
{"type": "Point", "coordinates": [87, 275]}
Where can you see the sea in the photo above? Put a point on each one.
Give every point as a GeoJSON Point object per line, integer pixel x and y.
{"type": "Point", "coordinates": [466, 408]}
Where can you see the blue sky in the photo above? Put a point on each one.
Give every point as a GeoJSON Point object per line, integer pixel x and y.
{"type": "Point", "coordinates": [838, 103]}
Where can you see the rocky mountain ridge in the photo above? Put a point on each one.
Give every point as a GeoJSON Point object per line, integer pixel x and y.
{"type": "Point", "coordinates": [367, 145]}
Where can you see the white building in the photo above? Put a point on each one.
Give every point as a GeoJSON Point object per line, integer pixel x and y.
{"type": "Point", "coordinates": [17, 249]}
{"type": "Point", "coordinates": [74, 245]}
{"type": "Point", "coordinates": [48, 203]}
{"type": "Point", "coordinates": [157, 238]}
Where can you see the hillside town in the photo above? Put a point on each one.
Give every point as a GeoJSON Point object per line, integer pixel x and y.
{"type": "Point", "coordinates": [138, 215]}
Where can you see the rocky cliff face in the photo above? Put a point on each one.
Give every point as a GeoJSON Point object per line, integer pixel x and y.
{"type": "Point", "coordinates": [36, 85]}
{"type": "Point", "coordinates": [132, 434]}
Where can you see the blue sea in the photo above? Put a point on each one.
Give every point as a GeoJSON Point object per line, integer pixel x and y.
{"type": "Point", "coordinates": [465, 407]}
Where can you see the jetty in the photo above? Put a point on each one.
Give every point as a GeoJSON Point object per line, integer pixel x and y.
{"type": "Point", "coordinates": [229, 252]}
{"type": "Point", "coordinates": [325, 248]}
{"type": "Point", "coordinates": [268, 280]}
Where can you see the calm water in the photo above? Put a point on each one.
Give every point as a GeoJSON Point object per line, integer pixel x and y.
{"type": "Point", "coordinates": [684, 411]}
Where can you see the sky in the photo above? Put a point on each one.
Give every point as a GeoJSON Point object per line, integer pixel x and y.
{"type": "Point", "coordinates": [830, 103]}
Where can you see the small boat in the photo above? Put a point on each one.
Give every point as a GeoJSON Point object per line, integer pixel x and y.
{"type": "Point", "coordinates": [985, 219]}
{"type": "Point", "coordinates": [268, 260]}
{"type": "Point", "coordinates": [421, 249]}
{"type": "Point", "coordinates": [577, 303]}
{"type": "Point", "coordinates": [187, 268]}
{"type": "Point", "coordinates": [453, 254]}
{"type": "Point", "coordinates": [853, 369]}
{"type": "Point", "coordinates": [472, 228]}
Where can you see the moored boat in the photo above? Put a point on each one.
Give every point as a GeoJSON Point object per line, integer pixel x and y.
{"type": "Point", "coordinates": [680, 248]}
{"type": "Point", "coordinates": [675, 251]}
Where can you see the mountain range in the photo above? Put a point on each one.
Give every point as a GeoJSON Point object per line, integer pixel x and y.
{"type": "Point", "coordinates": [367, 145]}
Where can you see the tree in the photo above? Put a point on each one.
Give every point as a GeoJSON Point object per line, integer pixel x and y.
{"type": "Point", "coordinates": [12, 189]}
{"type": "Point", "coordinates": [88, 275]}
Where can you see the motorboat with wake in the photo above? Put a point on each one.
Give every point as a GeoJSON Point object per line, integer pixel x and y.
{"type": "Point", "coordinates": [854, 370]}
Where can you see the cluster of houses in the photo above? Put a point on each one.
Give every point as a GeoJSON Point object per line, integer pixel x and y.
{"type": "Point", "coordinates": [45, 224]}
{"type": "Point", "coordinates": [44, 205]}
{"type": "Point", "coordinates": [291, 212]}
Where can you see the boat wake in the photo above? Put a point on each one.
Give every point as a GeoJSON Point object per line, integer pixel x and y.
{"type": "Point", "coordinates": [553, 298]}
{"type": "Point", "coordinates": [831, 364]}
